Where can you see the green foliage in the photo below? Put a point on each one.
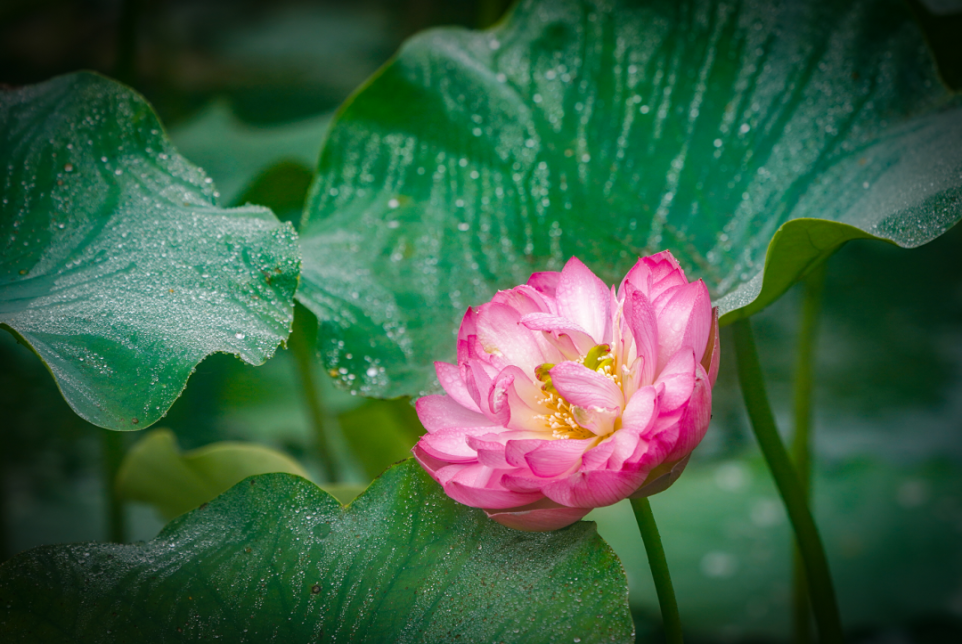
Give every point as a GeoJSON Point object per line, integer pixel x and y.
{"type": "Point", "coordinates": [611, 130]}
{"type": "Point", "coordinates": [277, 559]}
{"type": "Point", "coordinates": [118, 269]}
{"type": "Point", "coordinates": [381, 432]}
{"type": "Point", "coordinates": [154, 471]}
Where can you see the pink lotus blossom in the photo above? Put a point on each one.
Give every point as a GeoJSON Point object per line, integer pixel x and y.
{"type": "Point", "coordinates": [569, 395]}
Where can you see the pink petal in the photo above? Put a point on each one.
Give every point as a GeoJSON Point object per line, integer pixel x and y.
{"type": "Point", "coordinates": [665, 273]}
{"type": "Point", "coordinates": [450, 445]}
{"type": "Point", "coordinates": [678, 377]}
{"type": "Point", "coordinates": [600, 421]}
{"type": "Point", "coordinates": [439, 412]}
{"type": "Point", "coordinates": [584, 387]}
{"type": "Point", "coordinates": [498, 397]}
{"type": "Point", "coordinates": [501, 334]}
{"type": "Point", "coordinates": [639, 277]}
{"type": "Point", "coordinates": [522, 483]}
{"type": "Point", "coordinates": [557, 457]}
{"type": "Point", "coordinates": [712, 352]}
{"type": "Point", "coordinates": [449, 376]}
{"type": "Point", "coordinates": [545, 282]}
{"type": "Point", "coordinates": [593, 489]}
{"type": "Point", "coordinates": [640, 410]}
{"type": "Point", "coordinates": [563, 333]}
{"type": "Point", "coordinates": [625, 444]}
{"type": "Point", "coordinates": [597, 457]}
{"type": "Point", "coordinates": [684, 319]}
{"type": "Point", "coordinates": [641, 319]}
{"type": "Point", "coordinates": [660, 479]}
{"type": "Point", "coordinates": [524, 400]}
{"type": "Point", "coordinates": [430, 464]}
{"type": "Point", "coordinates": [694, 421]}
{"type": "Point", "coordinates": [516, 450]}
{"type": "Point", "coordinates": [468, 328]}
{"type": "Point", "coordinates": [540, 516]}
{"type": "Point", "coordinates": [524, 299]}
{"type": "Point", "coordinates": [490, 453]}
{"type": "Point", "coordinates": [479, 486]}
{"type": "Point", "coordinates": [479, 383]}
{"type": "Point", "coordinates": [584, 299]}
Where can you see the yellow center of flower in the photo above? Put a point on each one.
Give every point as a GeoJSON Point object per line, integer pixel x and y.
{"type": "Point", "coordinates": [560, 419]}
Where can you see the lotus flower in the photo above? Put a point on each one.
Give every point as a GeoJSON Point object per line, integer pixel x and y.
{"type": "Point", "coordinates": [569, 395]}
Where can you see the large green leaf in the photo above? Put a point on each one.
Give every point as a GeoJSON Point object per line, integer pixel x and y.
{"type": "Point", "coordinates": [608, 130]}
{"type": "Point", "coordinates": [277, 559]}
{"type": "Point", "coordinates": [116, 265]}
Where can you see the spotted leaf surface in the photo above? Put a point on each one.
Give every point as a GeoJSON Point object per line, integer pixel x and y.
{"type": "Point", "coordinates": [609, 130]}
{"type": "Point", "coordinates": [116, 265]}
{"type": "Point", "coordinates": [275, 559]}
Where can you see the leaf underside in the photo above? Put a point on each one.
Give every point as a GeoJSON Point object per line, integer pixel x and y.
{"type": "Point", "coordinates": [277, 559]}
{"type": "Point", "coordinates": [116, 265]}
{"type": "Point", "coordinates": [610, 130]}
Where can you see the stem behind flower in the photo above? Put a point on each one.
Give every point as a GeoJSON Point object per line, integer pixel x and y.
{"type": "Point", "coordinates": [821, 591]}
{"type": "Point", "coordinates": [301, 343]}
{"type": "Point", "coordinates": [659, 569]}
{"type": "Point", "coordinates": [801, 440]}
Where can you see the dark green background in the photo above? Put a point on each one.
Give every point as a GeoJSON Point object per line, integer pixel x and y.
{"type": "Point", "coordinates": [889, 415]}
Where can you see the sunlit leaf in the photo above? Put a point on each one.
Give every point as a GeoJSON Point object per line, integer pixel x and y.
{"type": "Point", "coordinates": [381, 432]}
{"type": "Point", "coordinates": [609, 130]}
{"type": "Point", "coordinates": [116, 265]}
{"type": "Point", "coordinates": [154, 471]}
{"type": "Point", "coordinates": [277, 559]}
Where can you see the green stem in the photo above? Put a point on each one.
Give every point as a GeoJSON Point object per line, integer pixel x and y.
{"type": "Point", "coordinates": [5, 536]}
{"type": "Point", "coordinates": [659, 569]}
{"type": "Point", "coordinates": [113, 456]}
{"type": "Point", "coordinates": [801, 441]}
{"type": "Point", "coordinates": [301, 343]}
{"type": "Point", "coordinates": [821, 592]}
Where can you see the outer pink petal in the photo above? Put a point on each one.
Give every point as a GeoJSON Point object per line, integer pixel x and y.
{"type": "Point", "coordinates": [557, 457]}
{"type": "Point", "coordinates": [438, 412]}
{"type": "Point", "coordinates": [490, 453]}
{"type": "Point", "coordinates": [584, 387]}
{"type": "Point", "coordinates": [684, 319]}
{"type": "Point", "coordinates": [712, 352]}
{"type": "Point", "coordinates": [659, 480]}
{"type": "Point", "coordinates": [678, 377]}
{"type": "Point", "coordinates": [479, 486]}
{"type": "Point", "coordinates": [694, 421]}
{"type": "Point", "coordinates": [451, 445]}
{"type": "Point", "coordinates": [584, 299]}
{"type": "Point", "coordinates": [430, 464]}
{"type": "Point", "coordinates": [449, 376]}
{"type": "Point", "coordinates": [593, 489]}
{"type": "Point", "coordinates": [539, 516]}
{"type": "Point", "coordinates": [545, 282]}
